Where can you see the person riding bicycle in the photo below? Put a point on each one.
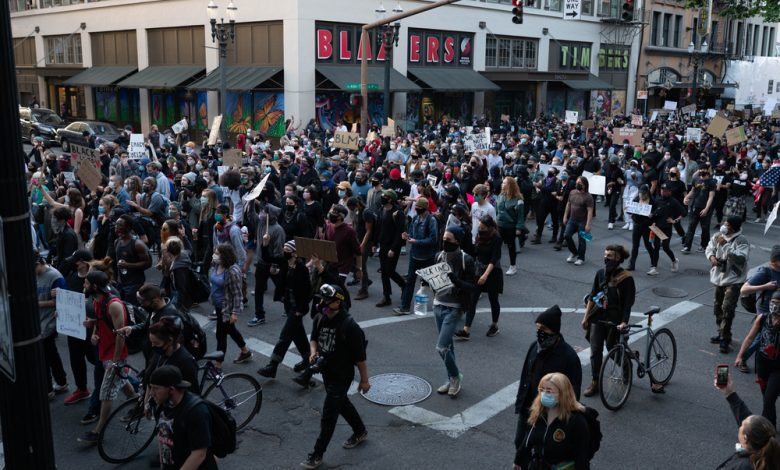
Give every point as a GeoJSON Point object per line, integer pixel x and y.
{"type": "Point", "coordinates": [611, 298]}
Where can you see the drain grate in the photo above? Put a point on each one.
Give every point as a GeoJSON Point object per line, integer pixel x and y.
{"type": "Point", "coordinates": [397, 389]}
{"type": "Point", "coordinates": [670, 292]}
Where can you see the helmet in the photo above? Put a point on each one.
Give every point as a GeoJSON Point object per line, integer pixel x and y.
{"type": "Point", "coordinates": [331, 291]}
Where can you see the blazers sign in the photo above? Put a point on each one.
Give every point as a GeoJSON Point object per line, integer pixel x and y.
{"type": "Point", "coordinates": [340, 43]}
{"type": "Point", "coordinates": [432, 48]}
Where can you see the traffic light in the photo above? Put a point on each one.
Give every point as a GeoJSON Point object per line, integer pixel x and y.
{"type": "Point", "coordinates": [517, 11]}
{"type": "Point", "coordinates": [628, 10]}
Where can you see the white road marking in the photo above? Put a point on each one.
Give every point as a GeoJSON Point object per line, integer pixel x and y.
{"type": "Point", "coordinates": [480, 412]}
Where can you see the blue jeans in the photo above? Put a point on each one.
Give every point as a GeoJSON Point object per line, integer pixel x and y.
{"type": "Point", "coordinates": [572, 227]}
{"type": "Point", "coordinates": [447, 321]}
{"type": "Point", "coordinates": [411, 280]}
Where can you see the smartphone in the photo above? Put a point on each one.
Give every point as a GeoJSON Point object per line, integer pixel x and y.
{"type": "Point", "coordinates": [722, 375]}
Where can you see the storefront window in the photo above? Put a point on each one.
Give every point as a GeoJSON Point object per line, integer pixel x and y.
{"type": "Point", "coordinates": [63, 49]}
{"type": "Point", "coordinates": [510, 53]}
{"type": "Point", "coordinates": [118, 106]}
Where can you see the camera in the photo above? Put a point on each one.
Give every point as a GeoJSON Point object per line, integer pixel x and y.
{"type": "Point", "coordinates": [319, 364]}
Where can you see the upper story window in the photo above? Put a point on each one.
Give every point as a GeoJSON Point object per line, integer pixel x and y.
{"type": "Point", "coordinates": [64, 49]}
{"type": "Point", "coordinates": [510, 53]}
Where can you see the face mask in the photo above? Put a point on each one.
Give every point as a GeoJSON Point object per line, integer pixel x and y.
{"type": "Point", "coordinates": [333, 218]}
{"type": "Point", "coordinates": [420, 211]}
{"type": "Point", "coordinates": [774, 309]}
{"type": "Point", "coordinates": [204, 201]}
{"type": "Point", "coordinates": [477, 198]}
{"type": "Point", "coordinates": [219, 218]}
{"type": "Point", "coordinates": [159, 350]}
{"type": "Point", "coordinates": [610, 264]}
{"type": "Point", "coordinates": [342, 193]}
{"type": "Point", "coordinates": [724, 230]}
{"type": "Point", "coordinates": [743, 176]}
{"type": "Point", "coordinates": [544, 339]}
{"type": "Point", "coordinates": [449, 246]}
{"type": "Point", "coordinates": [244, 180]}
{"type": "Point", "coordinates": [289, 208]}
{"type": "Point", "coordinates": [215, 258]}
{"type": "Point", "coordinates": [101, 210]}
{"type": "Point", "coordinates": [199, 167]}
{"type": "Point", "coordinates": [111, 185]}
{"type": "Point", "coordinates": [190, 162]}
{"type": "Point", "coordinates": [287, 255]}
{"type": "Point", "coordinates": [580, 187]}
{"type": "Point", "coordinates": [548, 400]}
{"type": "Point", "coordinates": [384, 201]}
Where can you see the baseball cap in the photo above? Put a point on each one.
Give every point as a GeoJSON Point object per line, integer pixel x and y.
{"type": "Point", "coordinates": [168, 376]}
{"type": "Point", "coordinates": [79, 255]}
{"type": "Point", "coordinates": [99, 279]}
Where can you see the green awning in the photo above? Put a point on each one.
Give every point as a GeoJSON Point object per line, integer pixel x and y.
{"type": "Point", "coordinates": [162, 76]}
{"type": "Point", "coordinates": [452, 79]}
{"type": "Point", "coordinates": [101, 76]}
{"type": "Point", "coordinates": [591, 83]}
{"type": "Point", "coordinates": [346, 76]}
{"type": "Point", "coordinates": [237, 78]}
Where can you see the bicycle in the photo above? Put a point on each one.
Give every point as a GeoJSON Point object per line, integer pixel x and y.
{"type": "Point", "coordinates": [615, 377]}
{"type": "Point", "coordinates": [129, 430]}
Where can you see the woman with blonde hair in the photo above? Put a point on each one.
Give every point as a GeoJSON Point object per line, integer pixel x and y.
{"type": "Point", "coordinates": [557, 435]}
{"type": "Point", "coordinates": [203, 234]}
{"type": "Point", "coordinates": [510, 215]}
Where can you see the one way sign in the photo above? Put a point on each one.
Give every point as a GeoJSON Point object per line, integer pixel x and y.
{"type": "Point", "coordinates": [572, 9]}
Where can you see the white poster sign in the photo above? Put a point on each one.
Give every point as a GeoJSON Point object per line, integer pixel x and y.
{"type": "Point", "coordinates": [597, 184]}
{"type": "Point", "coordinates": [771, 218]}
{"type": "Point", "coordinates": [475, 142]}
{"type": "Point", "coordinates": [436, 276]}
{"type": "Point", "coordinates": [670, 105]}
{"type": "Point", "coordinates": [71, 313]}
{"type": "Point", "coordinates": [572, 117]}
{"type": "Point", "coordinates": [654, 116]}
{"type": "Point", "coordinates": [252, 195]}
{"type": "Point", "coordinates": [693, 134]}
{"type": "Point", "coordinates": [180, 126]}
{"type": "Point", "coordinates": [572, 9]}
{"type": "Point", "coordinates": [711, 113]}
{"type": "Point", "coordinates": [136, 149]}
{"type": "Point", "coordinates": [639, 208]}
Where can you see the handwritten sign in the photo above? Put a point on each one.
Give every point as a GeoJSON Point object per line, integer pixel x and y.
{"type": "Point", "coordinates": [214, 132]}
{"type": "Point", "coordinates": [252, 195]}
{"type": "Point", "coordinates": [346, 140]}
{"type": "Point", "coordinates": [572, 117]}
{"type": "Point", "coordinates": [136, 149]}
{"type": "Point", "coordinates": [658, 233]}
{"type": "Point", "coordinates": [71, 313]}
{"type": "Point", "coordinates": [82, 154]}
{"type": "Point", "coordinates": [690, 109]}
{"type": "Point", "coordinates": [354, 128]}
{"type": "Point", "coordinates": [735, 136]}
{"type": "Point", "coordinates": [432, 180]}
{"type": "Point", "coordinates": [90, 176]}
{"type": "Point", "coordinates": [670, 105]}
{"type": "Point", "coordinates": [436, 276]}
{"type": "Point", "coordinates": [180, 126]}
{"type": "Point", "coordinates": [654, 116]}
{"type": "Point", "coordinates": [718, 126]}
{"type": "Point", "coordinates": [693, 134]}
{"type": "Point", "coordinates": [633, 136]}
{"type": "Point", "coordinates": [388, 131]}
{"type": "Point", "coordinates": [232, 157]}
{"type": "Point", "coordinates": [322, 249]}
{"type": "Point", "coordinates": [475, 142]}
{"type": "Point", "coordinates": [69, 176]}
{"type": "Point", "coordinates": [504, 118]}
{"type": "Point", "coordinates": [588, 124]}
{"type": "Point", "coordinates": [711, 113]}
{"type": "Point", "coordinates": [639, 208]}
{"type": "Point", "coordinates": [636, 120]}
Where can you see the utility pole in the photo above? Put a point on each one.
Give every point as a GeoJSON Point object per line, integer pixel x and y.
{"type": "Point", "coordinates": [24, 409]}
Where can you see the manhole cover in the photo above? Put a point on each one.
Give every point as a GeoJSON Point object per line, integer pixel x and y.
{"type": "Point", "coordinates": [694, 272]}
{"type": "Point", "coordinates": [397, 389]}
{"type": "Point", "coordinates": [669, 292]}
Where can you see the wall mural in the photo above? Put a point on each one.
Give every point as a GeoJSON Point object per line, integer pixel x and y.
{"type": "Point", "coordinates": [269, 113]}
{"type": "Point", "coordinates": [332, 107]}
{"type": "Point", "coordinates": [105, 105]}
{"type": "Point", "coordinates": [239, 113]}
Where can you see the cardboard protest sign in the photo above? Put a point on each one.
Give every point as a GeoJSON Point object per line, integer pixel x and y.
{"type": "Point", "coordinates": [693, 134]}
{"type": "Point", "coordinates": [90, 176]}
{"type": "Point", "coordinates": [232, 157]}
{"type": "Point", "coordinates": [354, 127]}
{"type": "Point", "coordinates": [636, 120]}
{"type": "Point", "coordinates": [388, 131]}
{"type": "Point", "coordinates": [639, 208]}
{"type": "Point", "coordinates": [437, 276]}
{"type": "Point", "coordinates": [588, 124]}
{"type": "Point", "coordinates": [730, 107]}
{"type": "Point", "coordinates": [346, 140]}
{"type": "Point", "coordinates": [670, 105]}
{"type": "Point", "coordinates": [71, 313]}
{"type": "Point", "coordinates": [735, 136]}
{"type": "Point", "coordinates": [718, 126]}
{"type": "Point", "coordinates": [371, 136]}
{"type": "Point", "coordinates": [322, 249]}
{"type": "Point", "coordinates": [504, 118]}
{"type": "Point", "coordinates": [572, 117]}
{"type": "Point", "coordinates": [136, 149]}
{"type": "Point", "coordinates": [633, 136]}
{"type": "Point", "coordinates": [690, 109]}
{"type": "Point", "coordinates": [81, 154]}
{"type": "Point", "coordinates": [180, 126]}
{"type": "Point", "coordinates": [391, 123]}
{"type": "Point", "coordinates": [214, 133]}
{"type": "Point", "coordinates": [252, 195]}
{"type": "Point", "coordinates": [658, 233]}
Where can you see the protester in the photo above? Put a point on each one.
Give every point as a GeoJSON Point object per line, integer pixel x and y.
{"type": "Point", "coordinates": [48, 280]}
{"type": "Point", "coordinates": [510, 218]}
{"type": "Point", "coordinates": [225, 277]}
{"type": "Point", "coordinates": [422, 235]}
{"type": "Point", "coordinates": [578, 217]}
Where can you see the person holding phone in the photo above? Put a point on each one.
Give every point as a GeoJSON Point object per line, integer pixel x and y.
{"type": "Point", "coordinates": [757, 442]}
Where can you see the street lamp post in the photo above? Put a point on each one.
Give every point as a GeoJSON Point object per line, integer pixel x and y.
{"type": "Point", "coordinates": [697, 57]}
{"type": "Point", "coordinates": [222, 34]}
{"type": "Point", "coordinates": [387, 37]}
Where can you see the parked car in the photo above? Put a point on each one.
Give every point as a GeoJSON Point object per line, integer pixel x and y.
{"type": "Point", "coordinates": [74, 133]}
{"type": "Point", "coordinates": [39, 122]}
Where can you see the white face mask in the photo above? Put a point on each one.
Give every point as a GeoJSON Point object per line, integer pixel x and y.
{"type": "Point", "coordinates": [724, 230]}
{"type": "Point", "coordinates": [215, 258]}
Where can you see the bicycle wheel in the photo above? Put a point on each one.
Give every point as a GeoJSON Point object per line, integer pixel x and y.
{"type": "Point", "coordinates": [122, 439]}
{"type": "Point", "coordinates": [662, 356]}
{"type": "Point", "coordinates": [615, 378]}
{"type": "Point", "coordinates": [239, 394]}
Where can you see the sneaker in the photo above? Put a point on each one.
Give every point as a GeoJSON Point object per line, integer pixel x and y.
{"type": "Point", "coordinates": [626, 226]}
{"type": "Point", "coordinates": [312, 461]}
{"type": "Point", "coordinates": [653, 271]}
{"type": "Point", "coordinates": [592, 389]}
{"type": "Point", "coordinates": [401, 311]}
{"type": "Point", "coordinates": [462, 335]}
{"type": "Point", "coordinates": [716, 339]}
{"type": "Point", "coordinates": [685, 250]}
{"type": "Point", "coordinates": [675, 266]}
{"type": "Point", "coordinates": [579, 262]}
{"type": "Point", "coordinates": [384, 302]}
{"type": "Point", "coordinates": [355, 440]}
{"type": "Point", "coordinates": [511, 271]}
{"type": "Point", "coordinates": [89, 418]}
{"type": "Point", "coordinates": [77, 396]}
{"type": "Point", "coordinates": [213, 315]}
{"type": "Point", "coordinates": [256, 321]}
{"type": "Point", "coordinates": [268, 371]}
{"type": "Point", "coordinates": [492, 331]}
{"type": "Point", "coordinates": [725, 346]}
{"type": "Point", "coordinates": [700, 249]}
{"type": "Point", "coordinates": [743, 368]}
{"type": "Point", "coordinates": [58, 389]}
{"type": "Point", "coordinates": [444, 389]}
{"type": "Point", "coordinates": [353, 282]}
{"type": "Point", "coordinates": [571, 258]}
{"type": "Point", "coordinates": [610, 226]}
{"type": "Point", "coordinates": [90, 438]}
{"type": "Point", "coordinates": [455, 386]}
{"type": "Point", "coordinates": [758, 220]}
{"type": "Point", "coordinates": [243, 357]}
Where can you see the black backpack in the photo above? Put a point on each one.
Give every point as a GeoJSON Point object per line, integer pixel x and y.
{"type": "Point", "coordinates": [135, 316]}
{"type": "Point", "coordinates": [223, 428]}
{"type": "Point", "coordinates": [594, 430]}
{"type": "Point", "coordinates": [194, 338]}
{"type": "Point", "coordinates": [199, 285]}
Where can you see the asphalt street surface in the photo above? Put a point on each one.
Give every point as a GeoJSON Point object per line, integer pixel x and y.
{"type": "Point", "coordinates": [689, 427]}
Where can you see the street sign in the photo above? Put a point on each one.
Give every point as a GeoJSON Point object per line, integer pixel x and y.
{"type": "Point", "coordinates": [356, 86]}
{"type": "Point", "coordinates": [572, 9]}
{"type": "Point", "coordinates": [641, 95]}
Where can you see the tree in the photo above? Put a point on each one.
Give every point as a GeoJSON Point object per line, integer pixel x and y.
{"type": "Point", "coordinates": [769, 10]}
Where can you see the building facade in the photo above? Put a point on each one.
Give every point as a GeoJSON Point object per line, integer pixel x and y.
{"type": "Point", "coordinates": [144, 62]}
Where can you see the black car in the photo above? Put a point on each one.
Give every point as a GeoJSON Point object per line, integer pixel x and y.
{"type": "Point", "coordinates": [39, 122]}
{"type": "Point", "coordinates": [74, 133]}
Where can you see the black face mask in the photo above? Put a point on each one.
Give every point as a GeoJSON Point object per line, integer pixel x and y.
{"type": "Point", "coordinates": [420, 211]}
{"type": "Point", "coordinates": [384, 201]}
{"type": "Point", "coordinates": [289, 208]}
{"type": "Point", "coordinates": [545, 340]}
{"type": "Point", "coordinates": [287, 255]}
{"type": "Point", "coordinates": [483, 233]}
{"type": "Point", "coordinates": [580, 187]}
{"type": "Point", "coordinates": [610, 265]}
{"type": "Point", "coordinates": [449, 246]}
{"type": "Point", "coordinates": [333, 218]}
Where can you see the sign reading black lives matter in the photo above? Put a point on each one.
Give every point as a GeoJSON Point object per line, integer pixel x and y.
{"type": "Point", "coordinates": [437, 276]}
{"type": "Point", "coordinates": [7, 364]}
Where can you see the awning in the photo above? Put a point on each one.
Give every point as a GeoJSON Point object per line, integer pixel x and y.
{"type": "Point", "coordinates": [101, 76]}
{"type": "Point", "coordinates": [237, 78]}
{"type": "Point", "coordinates": [347, 78]}
{"type": "Point", "coordinates": [161, 76]}
{"type": "Point", "coordinates": [452, 79]}
{"type": "Point", "coordinates": [591, 83]}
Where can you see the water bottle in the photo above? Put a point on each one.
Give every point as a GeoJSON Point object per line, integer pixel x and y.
{"type": "Point", "coordinates": [587, 236]}
{"type": "Point", "coordinates": [421, 302]}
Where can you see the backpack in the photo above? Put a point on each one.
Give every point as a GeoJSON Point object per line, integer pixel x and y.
{"type": "Point", "coordinates": [223, 427]}
{"type": "Point", "coordinates": [750, 301]}
{"type": "Point", "coordinates": [194, 338]}
{"type": "Point", "coordinates": [134, 315]}
{"type": "Point", "coordinates": [594, 430]}
{"type": "Point", "coordinates": [199, 285]}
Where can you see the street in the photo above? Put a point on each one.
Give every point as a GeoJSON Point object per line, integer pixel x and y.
{"type": "Point", "coordinates": [688, 427]}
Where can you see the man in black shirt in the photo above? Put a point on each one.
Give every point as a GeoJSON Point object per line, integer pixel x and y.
{"type": "Point", "coordinates": [184, 429]}
{"type": "Point", "coordinates": [132, 259]}
{"type": "Point", "coordinates": [337, 346]}
{"type": "Point", "coordinates": [390, 226]}
{"type": "Point", "coordinates": [67, 241]}
{"type": "Point", "coordinates": [699, 201]}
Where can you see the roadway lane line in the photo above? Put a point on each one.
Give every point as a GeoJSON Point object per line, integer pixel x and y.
{"type": "Point", "coordinates": [482, 411]}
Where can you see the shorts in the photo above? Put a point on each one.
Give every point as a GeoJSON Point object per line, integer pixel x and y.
{"type": "Point", "coordinates": [112, 382]}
